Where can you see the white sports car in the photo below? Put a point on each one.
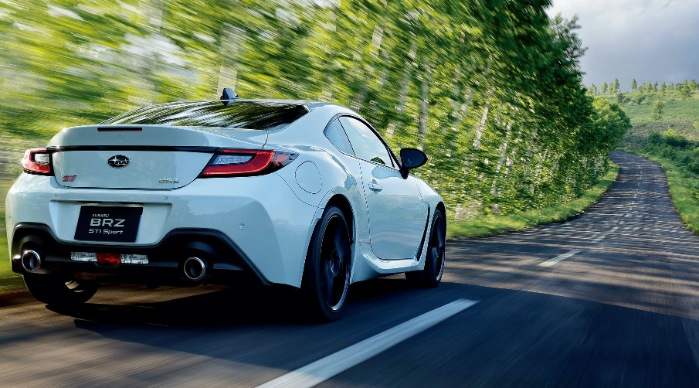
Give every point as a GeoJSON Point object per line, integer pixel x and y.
{"type": "Point", "coordinates": [284, 193]}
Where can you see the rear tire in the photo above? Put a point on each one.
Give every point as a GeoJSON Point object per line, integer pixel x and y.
{"type": "Point", "coordinates": [57, 291]}
{"type": "Point", "coordinates": [431, 275]}
{"type": "Point", "coordinates": [326, 276]}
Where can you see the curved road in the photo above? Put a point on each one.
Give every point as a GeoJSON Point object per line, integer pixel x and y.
{"type": "Point", "coordinates": [610, 298]}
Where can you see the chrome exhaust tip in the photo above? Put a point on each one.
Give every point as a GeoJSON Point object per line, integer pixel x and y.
{"type": "Point", "coordinates": [194, 269]}
{"type": "Point", "coordinates": [31, 260]}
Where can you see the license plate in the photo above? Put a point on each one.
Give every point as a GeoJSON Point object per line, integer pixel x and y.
{"type": "Point", "coordinates": [107, 223]}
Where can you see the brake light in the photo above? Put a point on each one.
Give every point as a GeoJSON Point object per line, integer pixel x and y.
{"type": "Point", "coordinates": [37, 161]}
{"type": "Point", "coordinates": [232, 162]}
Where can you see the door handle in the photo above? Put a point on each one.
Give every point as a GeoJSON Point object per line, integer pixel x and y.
{"type": "Point", "coordinates": [374, 185]}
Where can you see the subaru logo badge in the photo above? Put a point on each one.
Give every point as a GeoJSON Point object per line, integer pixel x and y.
{"type": "Point", "coordinates": [118, 161]}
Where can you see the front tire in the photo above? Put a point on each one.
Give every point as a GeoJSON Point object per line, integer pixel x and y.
{"type": "Point", "coordinates": [431, 275]}
{"type": "Point", "coordinates": [57, 291]}
{"type": "Point", "coordinates": [326, 275]}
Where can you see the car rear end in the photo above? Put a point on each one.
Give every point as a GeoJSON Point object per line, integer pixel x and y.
{"type": "Point", "coordinates": [158, 204]}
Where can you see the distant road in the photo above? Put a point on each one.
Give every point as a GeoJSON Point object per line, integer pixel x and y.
{"type": "Point", "coordinates": [610, 298]}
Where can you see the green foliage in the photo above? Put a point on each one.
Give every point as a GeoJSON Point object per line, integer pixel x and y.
{"type": "Point", "coordinates": [621, 98]}
{"type": "Point", "coordinates": [493, 224]}
{"type": "Point", "coordinates": [614, 87]}
{"type": "Point", "coordinates": [490, 90]}
{"type": "Point", "coordinates": [658, 108]}
{"type": "Point", "coordinates": [686, 91]}
{"type": "Point", "coordinates": [673, 139]}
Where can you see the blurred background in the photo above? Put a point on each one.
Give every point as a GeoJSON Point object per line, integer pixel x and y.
{"type": "Point", "coordinates": [490, 89]}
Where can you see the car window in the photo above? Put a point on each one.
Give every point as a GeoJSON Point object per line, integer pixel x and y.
{"type": "Point", "coordinates": [365, 142]}
{"type": "Point", "coordinates": [240, 114]}
{"type": "Point", "coordinates": [337, 136]}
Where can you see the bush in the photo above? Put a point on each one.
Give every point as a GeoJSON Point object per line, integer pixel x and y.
{"type": "Point", "coordinates": [674, 139]}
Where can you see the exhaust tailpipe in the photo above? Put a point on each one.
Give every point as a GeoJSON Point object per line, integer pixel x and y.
{"type": "Point", "coordinates": [194, 268]}
{"type": "Point", "coordinates": [31, 260]}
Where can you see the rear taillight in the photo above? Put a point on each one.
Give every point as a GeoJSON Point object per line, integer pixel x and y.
{"type": "Point", "coordinates": [37, 161]}
{"type": "Point", "coordinates": [229, 162]}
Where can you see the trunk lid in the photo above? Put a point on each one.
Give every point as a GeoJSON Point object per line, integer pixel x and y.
{"type": "Point", "coordinates": [146, 157]}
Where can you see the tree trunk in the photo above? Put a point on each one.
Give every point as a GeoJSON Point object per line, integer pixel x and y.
{"type": "Point", "coordinates": [376, 38]}
{"type": "Point", "coordinates": [403, 93]}
{"type": "Point", "coordinates": [481, 125]}
{"type": "Point", "coordinates": [503, 156]}
{"type": "Point", "coordinates": [424, 105]}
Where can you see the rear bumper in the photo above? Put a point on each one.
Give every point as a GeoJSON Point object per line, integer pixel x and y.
{"type": "Point", "coordinates": [254, 223]}
{"type": "Point", "coordinates": [223, 261]}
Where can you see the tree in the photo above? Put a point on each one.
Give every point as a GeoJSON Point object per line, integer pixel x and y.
{"type": "Point", "coordinates": [686, 91]}
{"type": "Point", "coordinates": [621, 98]}
{"type": "Point", "coordinates": [494, 84]}
{"type": "Point", "coordinates": [614, 88]}
{"type": "Point", "coordinates": [634, 85]}
{"type": "Point", "coordinates": [658, 108]}
{"type": "Point", "coordinates": [610, 124]}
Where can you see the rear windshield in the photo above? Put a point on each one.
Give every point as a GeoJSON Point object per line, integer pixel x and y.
{"type": "Point", "coordinates": [240, 114]}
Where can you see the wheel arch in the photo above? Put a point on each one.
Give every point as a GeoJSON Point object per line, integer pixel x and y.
{"type": "Point", "coordinates": [440, 206]}
{"type": "Point", "coordinates": [345, 206]}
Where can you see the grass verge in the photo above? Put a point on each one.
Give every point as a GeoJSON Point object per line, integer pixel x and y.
{"type": "Point", "coordinates": [491, 225]}
{"type": "Point", "coordinates": [684, 189]}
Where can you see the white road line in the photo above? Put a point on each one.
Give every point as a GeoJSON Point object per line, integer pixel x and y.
{"type": "Point", "coordinates": [602, 237]}
{"type": "Point", "coordinates": [325, 368]}
{"type": "Point", "coordinates": [552, 262]}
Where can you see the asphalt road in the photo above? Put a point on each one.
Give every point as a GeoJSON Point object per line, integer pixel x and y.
{"type": "Point", "coordinates": [610, 299]}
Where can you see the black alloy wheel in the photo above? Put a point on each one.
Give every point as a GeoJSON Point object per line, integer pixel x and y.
{"type": "Point", "coordinates": [327, 272]}
{"type": "Point", "coordinates": [431, 275]}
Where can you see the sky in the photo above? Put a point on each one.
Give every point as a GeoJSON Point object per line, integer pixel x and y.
{"type": "Point", "coordinates": [645, 40]}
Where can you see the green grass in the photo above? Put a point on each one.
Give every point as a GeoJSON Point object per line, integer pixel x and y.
{"type": "Point", "coordinates": [490, 225]}
{"type": "Point", "coordinates": [684, 189]}
{"type": "Point", "coordinates": [675, 107]}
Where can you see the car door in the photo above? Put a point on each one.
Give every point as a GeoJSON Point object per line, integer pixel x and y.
{"type": "Point", "coordinates": [397, 214]}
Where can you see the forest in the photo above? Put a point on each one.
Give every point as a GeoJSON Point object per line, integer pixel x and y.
{"type": "Point", "coordinates": [491, 89]}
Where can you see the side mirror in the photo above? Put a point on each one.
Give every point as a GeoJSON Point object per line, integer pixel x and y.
{"type": "Point", "coordinates": [411, 158]}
